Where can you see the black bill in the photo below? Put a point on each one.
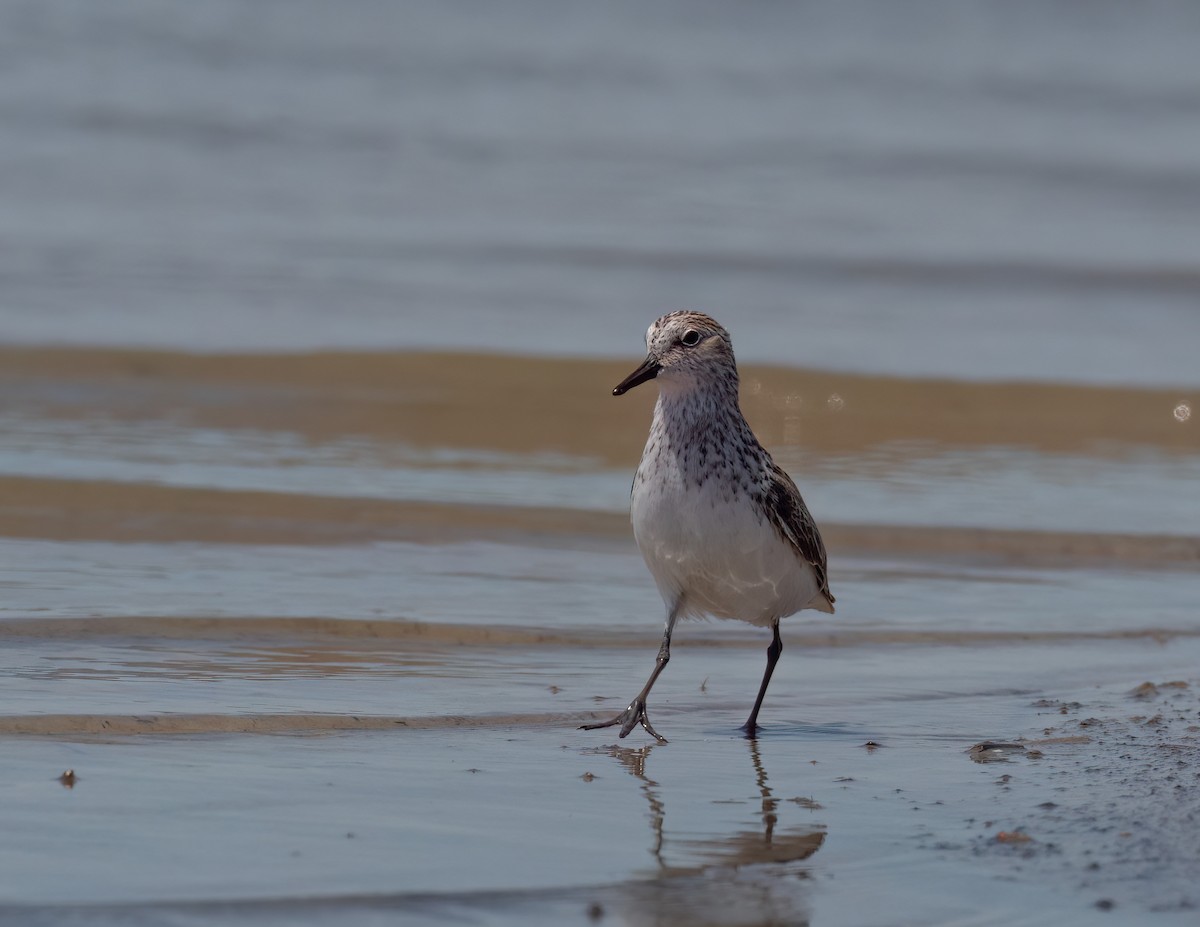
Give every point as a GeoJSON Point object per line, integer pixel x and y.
{"type": "Point", "coordinates": [647, 371]}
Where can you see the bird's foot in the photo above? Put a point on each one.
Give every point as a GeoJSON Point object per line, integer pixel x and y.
{"type": "Point", "coordinates": [749, 730]}
{"type": "Point", "coordinates": [630, 718]}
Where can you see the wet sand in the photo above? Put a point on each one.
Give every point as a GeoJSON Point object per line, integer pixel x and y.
{"type": "Point", "coordinates": [519, 818]}
{"type": "Point", "coordinates": [466, 400]}
{"type": "Point", "coordinates": [315, 633]}
{"type": "Point", "coordinates": [110, 510]}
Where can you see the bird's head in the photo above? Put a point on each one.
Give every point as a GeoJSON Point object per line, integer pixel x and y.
{"type": "Point", "coordinates": [685, 350]}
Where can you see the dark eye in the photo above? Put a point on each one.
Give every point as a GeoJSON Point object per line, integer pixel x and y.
{"type": "Point", "coordinates": [690, 337]}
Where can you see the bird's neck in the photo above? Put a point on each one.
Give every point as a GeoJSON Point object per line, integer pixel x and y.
{"type": "Point", "coordinates": [688, 407]}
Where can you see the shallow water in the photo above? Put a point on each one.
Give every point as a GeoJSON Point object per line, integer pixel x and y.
{"type": "Point", "coordinates": [314, 546]}
{"type": "Point", "coordinates": [238, 586]}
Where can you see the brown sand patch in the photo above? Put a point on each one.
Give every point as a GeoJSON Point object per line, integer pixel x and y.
{"type": "Point", "coordinates": [105, 510]}
{"type": "Point", "coordinates": [467, 400]}
{"type": "Point", "coordinates": [411, 633]}
{"type": "Point", "coordinates": [72, 725]}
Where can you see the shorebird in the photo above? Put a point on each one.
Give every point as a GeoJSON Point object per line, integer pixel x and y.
{"type": "Point", "coordinates": [723, 529]}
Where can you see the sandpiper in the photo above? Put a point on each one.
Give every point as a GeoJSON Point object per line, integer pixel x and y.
{"type": "Point", "coordinates": [722, 528]}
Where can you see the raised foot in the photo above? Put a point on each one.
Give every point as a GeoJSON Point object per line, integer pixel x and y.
{"type": "Point", "coordinates": [630, 718]}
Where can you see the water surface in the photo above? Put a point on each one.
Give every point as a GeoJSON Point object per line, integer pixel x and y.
{"type": "Point", "coordinates": [314, 546]}
{"type": "Point", "coordinates": [241, 585]}
{"type": "Point", "coordinates": [954, 189]}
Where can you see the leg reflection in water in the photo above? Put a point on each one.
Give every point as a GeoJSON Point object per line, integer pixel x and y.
{"type": "Point", "coordinates": [702, 866]}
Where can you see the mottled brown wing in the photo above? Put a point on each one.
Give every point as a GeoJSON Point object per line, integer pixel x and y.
{"type": "Point", "coordinates": [793, 520]}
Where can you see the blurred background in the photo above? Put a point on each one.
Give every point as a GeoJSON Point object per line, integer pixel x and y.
{"type": "Point", "coordinates": [971, 190]}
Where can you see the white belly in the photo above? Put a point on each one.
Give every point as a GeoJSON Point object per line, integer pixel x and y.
{"type": "Point", "coordinates": [709, 548]}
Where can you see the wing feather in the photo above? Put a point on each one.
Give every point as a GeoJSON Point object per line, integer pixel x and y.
{"type": "Point", "coordinates": [792, 519]}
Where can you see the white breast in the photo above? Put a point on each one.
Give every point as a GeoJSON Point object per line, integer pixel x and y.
{"type": "Point", "coordinates": [710, 545]}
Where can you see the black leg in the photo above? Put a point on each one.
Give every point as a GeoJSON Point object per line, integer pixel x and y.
{"type": "Point", "coordinates": [750, 728]}
{"type": "Point", "coordinates": [635, 714]}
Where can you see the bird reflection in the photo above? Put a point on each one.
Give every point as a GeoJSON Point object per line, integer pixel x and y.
{"type": "Point", "coordinates": [633, 759]}
{"type": "Point", "coordinates": [766, 842]}
{"type": "Point", "coordinates": [747, 877]}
